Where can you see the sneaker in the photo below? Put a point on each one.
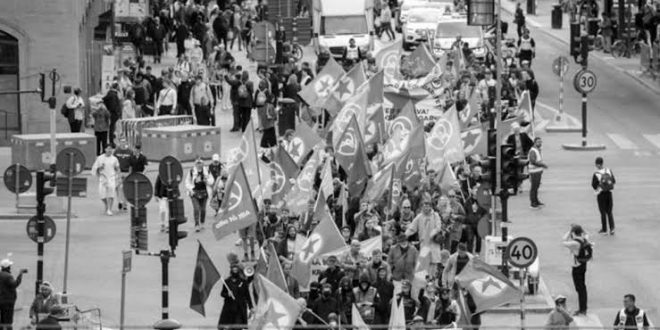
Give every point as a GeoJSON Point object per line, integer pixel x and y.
{"type": "Point", "coordinates": [197, 228]}
{"type": "Point", "coordinates": [108, 212]}
{"type": "Point", "coordinates": [602, 232]}
{"type": "Point", "coordinates": [612, 232]}
{"type": "Point", "coordinates": [579, 313]}
{"type": "Point", "coordinates": [534, 206]}
{"type": "Point", "coordinates": [239, 242]}
{"type": "Point", "coordinates": [540, 204]}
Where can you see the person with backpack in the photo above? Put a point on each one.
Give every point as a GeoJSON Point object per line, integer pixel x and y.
{"type": "Point", "coordinates": [602, 181]}
{"type": "Point", "coordinates": [577, 242]}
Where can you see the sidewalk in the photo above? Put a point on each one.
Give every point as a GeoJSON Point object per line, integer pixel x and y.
{"type": "Point", "coordinates": [542, 22]}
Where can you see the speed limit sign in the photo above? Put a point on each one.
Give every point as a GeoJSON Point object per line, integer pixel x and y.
{"type": "Point", "coordinates": [521, 252]}
{"type": "Point", "coordinates": [585, 81]}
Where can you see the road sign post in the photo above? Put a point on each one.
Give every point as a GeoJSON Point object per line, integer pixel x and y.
{"type": "Point", "coordinates": [561, 123]}
{"type": "Point", "coordinates": [126, 262]}
{"type": "Point", "coordinates": [70, 162]}
{"type": "Point", "coordinates": [18, 180]}
{"type": "Point", "coordinates": [522, 253]}
{"type": "Point", "coordinates": [584, 82]}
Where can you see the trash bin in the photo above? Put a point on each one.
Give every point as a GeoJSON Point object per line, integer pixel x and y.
{"type": "Point", "coordinates": [557, 16]}
{"type": "Point", "coordinates": [531, 7]}
{"type": "Point", "coordinates": [592, 26]}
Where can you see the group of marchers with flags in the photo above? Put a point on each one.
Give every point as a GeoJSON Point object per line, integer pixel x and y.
{"type": "Point", "coordinates": [368, 213]}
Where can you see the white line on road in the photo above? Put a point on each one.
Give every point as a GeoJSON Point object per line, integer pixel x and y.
{"type": "Point", "coordinates": [654, 139]}
{"type": "Point", "coordinates": [622, 142]}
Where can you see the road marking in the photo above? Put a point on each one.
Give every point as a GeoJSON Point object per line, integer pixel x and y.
{"type": "Point", "coordinates": [654, 139]}
{"type": "Point", "coordinates": [622, 142]}
{"type": "Point", "coordinates": [643, 153]}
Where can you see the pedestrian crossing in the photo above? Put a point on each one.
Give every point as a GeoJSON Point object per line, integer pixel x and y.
{"type": "Point", "coordinates": [643, 145]}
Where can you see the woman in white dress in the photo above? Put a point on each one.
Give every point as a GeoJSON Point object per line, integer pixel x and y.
{"type": "Point", "coordinates": [106, 167]}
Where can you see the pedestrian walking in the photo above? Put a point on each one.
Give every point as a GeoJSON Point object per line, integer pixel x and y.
{"type": "Point", "coordinates": [577, 242]}
{"type": "Point", "coordinates": [559, 318]}
{"type": "Point", "coordinates": [113, 103]}
{"type": "Point", "coordinates": [8, 295]}
{"type": "Point", "coordinates": [167, 99]}
{"type": "Point", "coordinates": [266, 110]}
{"type": "Point", "coordinates": [138, 161]}
{"type": "Point", "coordinates": [526, 48]}
{"type": "Point", "coordinates": [631, 317]}
{"type": "Point", "coordinates": [602, 181]}
{"type": "Point", "coordinates": [74, 111]}
{"type": "Point", "coordinates": [236, 298]}
{"type": "Point", "coordinates": [519, 19]}
{"type": "Point", "coordinates": [123, 153]}
{"type": "Point", "coordinates": [386, 23]}
{"type": "Point", "coordinates": [106, 167]}
{"type": "Point", "coordinates": [102, 118]}
{"type": "Point", "coordinates": [197, 181]}
{"type": "Point", "coordinates": [535, 168]}
{"type": "Point", "coordinates": [201, 101]}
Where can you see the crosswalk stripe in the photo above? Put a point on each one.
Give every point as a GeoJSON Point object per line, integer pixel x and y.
{"type": "Point", "coordinates": [622, 142]}
{"type": "Point", "coordinates": [654, 139]}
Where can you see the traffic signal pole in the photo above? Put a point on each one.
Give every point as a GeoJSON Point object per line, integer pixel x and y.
{"type": "Point", "coordinates": [498, 116]}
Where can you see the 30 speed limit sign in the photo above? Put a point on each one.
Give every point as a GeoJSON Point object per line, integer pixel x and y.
{"type": "Point", "coordinates": [585, 81]}
{"type": "Point", "coordinates": [521, 252]}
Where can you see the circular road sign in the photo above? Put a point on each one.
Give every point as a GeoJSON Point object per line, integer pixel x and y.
{"type": "Point", "coordinates": [33, 232]}
{"type": "Point", "coordinates": [585, 81]}
{"type": "Point", "coordinates": [65, 166]}
{"type": "Point", "coordinates": [138, 189]}
{"type": "Point", "coordinates": [521, 252]}
{"type": "Point", "coordinates": [170, 170]}
{"type": "Point", "coordinates": [483, 195]}
{"type": "Point", "coordinates": [560, 65]}
{"type": "Point", "coordinates": [18, 178]}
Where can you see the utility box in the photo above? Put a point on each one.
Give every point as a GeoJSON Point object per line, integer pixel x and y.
{"type": "Point", "coordinates": [33, 150]}
{"type": "Point", "coordinates": [184, 142]}
{"type": "Point", "coordinates": [557, 17]}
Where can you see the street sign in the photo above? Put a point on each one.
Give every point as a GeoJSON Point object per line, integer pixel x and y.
{"type": "Point", "coordinates": [170, 170]}
{"type": "Point", "coordinates": [78, 187]}
{"type": "Point", "coordinates": [521, 252]}
{"type": "Point", "coordinates": [585, 81]}
{"type": "Point", "coordinates": [64, 165]}
{"type": "Point", "coordinates": [126, 261]}
{"type": "Point", "coordinates": [138, 188]}
{"type": "Point", "coordinates": [483, 195]}
{"type": "Point", "coordinates": [18, 178]}
{"type": "Point", "coordinates": [560, 66]}
{"type": "Point", "coordinates": [33, 232]}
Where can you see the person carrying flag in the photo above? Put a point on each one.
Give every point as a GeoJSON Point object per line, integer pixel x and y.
{"type": "Point", "coordinates": [236, 298]}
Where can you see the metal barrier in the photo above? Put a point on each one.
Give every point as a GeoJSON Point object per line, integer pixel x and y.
{"type": "Point", "coordinates": [648, 61]}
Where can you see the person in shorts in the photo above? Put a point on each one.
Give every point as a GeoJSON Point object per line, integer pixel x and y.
{"type": "Point", "coordinates": [123, 153]}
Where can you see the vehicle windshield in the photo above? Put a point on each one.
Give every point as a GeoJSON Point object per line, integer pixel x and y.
{"type": "Point", "coordinates": [344, 25]}
{"type": "Point", "coordinates": [429, 16]}
{"type": "Point", "coordinates": [451, 30]}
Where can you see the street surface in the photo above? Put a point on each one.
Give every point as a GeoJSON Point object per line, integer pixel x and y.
{"type": "Point", "coordinates": [623, 115]}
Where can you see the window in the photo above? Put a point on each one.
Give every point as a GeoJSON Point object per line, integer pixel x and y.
{"type": "Point", "coordinates": [344, 25]}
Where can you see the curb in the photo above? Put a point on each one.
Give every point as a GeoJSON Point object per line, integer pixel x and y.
{"type": "Point", "coordinates": [635, 76]}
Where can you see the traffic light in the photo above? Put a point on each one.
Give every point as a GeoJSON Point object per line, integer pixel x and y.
{"type": "Point", "coordinates": [42, 86]}
{"type": "Point", "coordinates": [488, 174]}
{"type": "Point", "coordinates": [42, 190]}
{"type": "Point", "coordinates": [492, 142]}
{"type": "Point", "coordinates": [177, 217]}
{"type": "Point", "coordinates": [509, 167]}
{"type": "Point", "coordinates": [575, 42]}
{"type": "Point", "coordinates": [586, 45]}
{"type": "Point", "coordinates": [139, 232]}
{"type": "Point", "coordinates": [520, 170]}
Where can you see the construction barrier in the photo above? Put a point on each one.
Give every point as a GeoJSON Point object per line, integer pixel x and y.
{"type": "Point", "coordinates": [33, 150]}
{"type": "Point", "coordinates": [184, 142]}
{"type": "Point", "coordinates": [132, 128]}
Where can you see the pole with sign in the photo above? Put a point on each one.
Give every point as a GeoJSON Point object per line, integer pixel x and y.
{"type": "Point", "coordinates": [584, 82]}
{"type": "Point", "coordinates": [18, 180]}
{"type": "Point", "coordinates": [70, 162]}
{"type": "Point", "coordinates": [126, 262]}
{"type": "Point", "coordinates": [562, 123]}
{"type": "Point", "coordinates": [522, 253]}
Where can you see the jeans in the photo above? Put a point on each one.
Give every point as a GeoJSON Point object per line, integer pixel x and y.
{"type": "Point", "coordinates": [199, 209]}
{"type": "Point", "coordinates": [101, 142]}
{"type": "Point", "coordinates": [387, 27]}
{"type": "Point", "coordinates": [6, 315]}
{"type": "Point", "coordinates": [535, 180]}
{"type": "Point", "coordinates": [245, 113]}
{"type": "Point", "coordinates": [579, 276]}
{"type": "Point", "coordinates": [113, 128]}
{"type": "Point", "coordinates": [605, 204]}
{"type": "Point", "coordinates": [236, 112]}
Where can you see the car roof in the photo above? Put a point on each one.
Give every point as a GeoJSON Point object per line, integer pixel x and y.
{"type": "Point", "coordinates": [425, 10]}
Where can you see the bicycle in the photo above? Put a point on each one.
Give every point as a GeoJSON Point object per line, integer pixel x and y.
{"type": "Point", "coordinates": [633, 48]}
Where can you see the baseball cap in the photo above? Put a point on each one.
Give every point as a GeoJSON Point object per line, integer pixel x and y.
{"type": "Point", "coordinates": [6, 263]}
{"type": "Point", "coordinates": [560, 298]}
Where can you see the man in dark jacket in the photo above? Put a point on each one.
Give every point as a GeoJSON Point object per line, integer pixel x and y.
{"type": "Point", "coordinates": [325, 304]}
{"type": "Point", "coordinates": [158, 35]}
{"type": "Point", "coordinates": [333, 274]}
{"type": "Point", "coordinates": [243, 98]}
{"type": "Point", "coordinates": [8, 294]}
{"type": "Point", "coordinates": [113, 104]}
{"type": "Point", "coordinates": [237, 298]}
{"type": "Point", "coordinates": [181, 35]}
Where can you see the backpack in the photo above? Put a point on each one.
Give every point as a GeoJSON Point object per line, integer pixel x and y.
{"type": "Point", "coordinates": [243, 91]}
{"type": "Point", "coordinates": [586, 251]}
{"type": "Point", "coordinates": [64, 110]}
{"type": "Point", "coordinates": [606, 181]}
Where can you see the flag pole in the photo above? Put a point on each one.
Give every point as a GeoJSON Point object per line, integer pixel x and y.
{"type": "Point", "coordinates": [231, 294]}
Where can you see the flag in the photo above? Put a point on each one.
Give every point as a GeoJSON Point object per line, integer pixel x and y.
{"type": "Point", "coordinates": [446, 178]}
{"type": "Point", "coordinates": [397, 316]}
{"type": "Point", "coordinates": [420, 62]}
{"type": "Point", "coordinates": [344, 88]}
{"type": "Point", "coordinates": [422, 269]}
{"type": "Point", "coordinates": [355, 106]}
{"type": "Point", "coordinates": [343, 200]}
{"type": "Point", "coordinates": [261, 266]}
{"type": "Point", "coordinates": [274, 273]}
{"type": "Point", "coordinates": [409, 169]}
{"type": "Point", "coordinates": [465, 321]}
{"type": "Point", "coordinates": [527, 114]}
{"type": "Point", "coordinates": [283, 170]}
{"type": "Point", "coordinates": [276, 309]}
{"type": "Point", "coordinates": [321, 210]}
{"type": "Point", "coordinates": [238, 209]}
{"type": "Point", "coordinates": [324, 238]}
{"type": "Point", "coordinates": [474, 140]}
{"type": "Point", "coordinates": [246, 153]}
{"type": "Point", "coordinates": [374, 127]}
{"type": "Point", "coordinates": [299, 195]}
{"type": "Point", "coordinates": [350, 155]}
{"type": "Point", "coordinates": [367, 247]}
{"type": "Point", "coordinates": [326, 179]}
{"type": "Point", "coordinates": [379, 185]}
{"type": "Point", "coordinates": [304, 139]}
{"type": "Point", "coordinates": [204, 278]}
{"type": "Point", "coordinates": [406, 133]}
{"type": "Point", "coordinates": [465, 116]}
{"type": "Point", "coordinates": [487, 286]}
{"type": "Point", "coordinates": [388, 59]}
{"type": "Point", "coordinates": [356, 319]}
{"type": "Point", "coordinates": [444, 141]}
{"type": "Point", "coordinates": [321, 86]}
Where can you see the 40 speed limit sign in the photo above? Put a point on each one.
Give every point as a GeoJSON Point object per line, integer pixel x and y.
{"type": "Point", "coordinates": [521, 252]}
